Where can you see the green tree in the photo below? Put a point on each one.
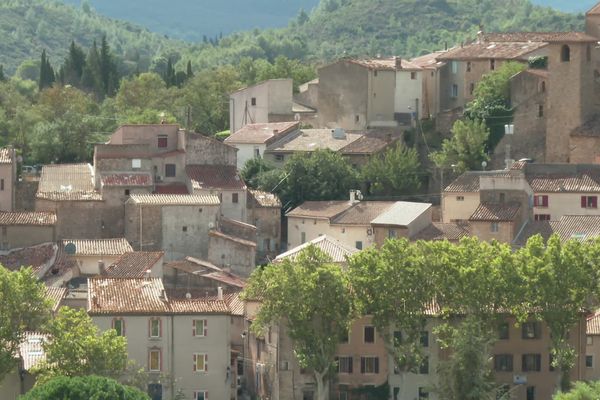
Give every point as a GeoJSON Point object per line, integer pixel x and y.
{"type": "Point", "coordinates": [91, 79]}
{"type": "Point", "coordinates": [72, 69]}
{"type": "Point", "coordinates": [84, 388]}
{"type": "Point", "coordinates": [392, 284]}
{"type": "Point", "coordinates": [23, 306]}
{"type": "Point", "coordinates": [189, 73]}
{"type": "Point", "coordinates": [309, 296]}
{"type": "Point", "coordinates": [78, 348]}
{"type": "Point", "coordinates": [2, 76]}
{"type": "Point", "coordinates": [320, 175]}
{"type": "Point", "coordinates": [108, 69]}
{"type": "Point", "coordinates": [465, 150]}
{"type": "Point", "coordinates": [581, 391]}
{"type": "Point", "coordinates": [396, 172]}
{"type": "Point", "coordinates": [46, 72]}
{"type": "Point", "coordinates": [252, 170]}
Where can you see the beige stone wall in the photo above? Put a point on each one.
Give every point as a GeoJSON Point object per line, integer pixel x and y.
{"type": "Point", "coordinates": [456, 209]}
{"type": "Point", "coordinates": [7, 186]}
{"type": "Point", "coordinates": [584, 150]}
{"type": "Point", "coordinates": [381, 98]}
{"type": "Point", "coordinates": [482, 229]}
{"type": "Point", "coordinates": [224, 253]}
{"type": "Point", "coordinates": [203, 150]}
{"type": "Point", "coordinates": [76, 219]}
{"type": "Point", "coordinates": [268, 229]}
{"type": "Point", "coordinates": [311, 228]}
{"type": "Point", "coordinates": [13, 237]}
{"type": "Point", "coordinates": [150, 227]}
{"type": "Point", "coordinates": [592, 348]}
{"type": "Point", "coordinates": [382, 233]}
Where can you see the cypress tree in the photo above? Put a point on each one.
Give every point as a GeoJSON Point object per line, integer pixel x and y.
{"type": "Point", "coordinates": [189, 73]}
{"type": "Point", "coordinates": [46, 72]}
{"type": "Point", "coordinates": [2, 76]}
{"type": "Point", "coordinates": [72, 69]}
{"type": "Point", "coordinates": [91, 78]}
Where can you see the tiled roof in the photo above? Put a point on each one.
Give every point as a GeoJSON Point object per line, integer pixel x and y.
{"type": "Point", "coordinates": [261, 133]}
{"type": "Point", "coordinates": [198, 306]}
{"type": "Point", "coordinates": [308, 140]}
{"type": "Point", "coordinates": [593, 324]}
{"type": "Point", "coordinates": [125, 179]}
{"type": "Point", "coordinates": [548, 37]}
{"type": "Point", "coordinates": [236, 305]}
{"type": "Point", "coordinates": [226, 278]}
{"type": "Point", "coordinates": [6, 155]}
{"type": "Point", "coordinates": [192, 265]}
{"type": "Point", "coordinates": [362, 213]}
{"type": "Point", "coordinates": [467, 182]}
{"type": "Point", "coordinates": [320, 209]}
{"type": "Point", "coordinates": [367, 144]}
{"type": "Point", "coordinates": [175, 199]}
{"type": "Point", "coordinates": [541, 73]}
{"type": "Point", "coordinates": [98, 247]}
{"type": "Point", "coordinates": [55, 295]}
{"type": "Point", "coordinates": [215, 177]}
{"type": "Point", "coordinates": [402, 213]}
{"type": "Point", "coordinates": [386, 64]}
{"type": "Point", "coordinates": [126, 296]}
{"type": "Point", "coordinates": [589, 129]}
{"type": "Point", "coordinates": [36, 257]}
{"type": "Point", "coordinates": [441, 231]}
{"type": "Point", "coordinates": [72, 182]}
{"type": "Point", "coordinates": [532, 228]}
{"type": "Point", "coordinates": [265, 199]}
{"type": "Point", "coordinates": [429, 61]}
{"type": "Point", "coordinates": [330, 246]}
{"type": "Point", "coordinates": [578, 182]}
{"type": "Point", "coordinates": [134, 264]}
{"type": "Point", "coordinates": [578, 227]}
{"type": "Point", "coordinates": [28, 218]}
{"type": "Point", "coordinates": [496, 212]}
{"type": "Point", "coordinates": [594, 10]}
{"type": "Point", "coordinates": [173, 188]}
{"type": "Point", "coordinates": [31, 350]}
{"type": "Point", "coordinates": [230, 238]}
{"type": "Point", "coordinates": [503, 50]}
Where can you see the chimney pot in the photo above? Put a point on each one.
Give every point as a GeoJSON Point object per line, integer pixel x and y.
{"type": "Point", "coordinates": [398, 62]}
{"type": "Point", "coordinates": [220, 293]}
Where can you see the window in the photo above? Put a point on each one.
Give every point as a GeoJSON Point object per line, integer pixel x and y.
{"type": "Point", "coordinates": [503, 330]}
{"type": "Point", "coordinates": [253, 101]}
{"type": "Point", "coordinates": [184, 229]}
{"type": "Point", "coordinates": [494, 227]}
{"type": "Point", "coordinates": [308, 395]}
{"type": "Point", "coordinates": [413, 75]}
{"type": "Point", "coordinates": [471, 88]}
{"type": "Point", "coordinates": [170, 170]}
{"type": "Point", "coordinates": [565, 54]}
{"type": "Point", "coordinates": [392, 234]}
{"type": "Point", "coordinates": [543, 87]}
{"type": "Point", "coordinates": [492, 64]}
{"type": "Point", "coordinates": [154, 360]}
{"type": "Point", "coordinates": [589, 361]}
{"type": "Point", "coordinates": [589, 340]}
{"type": "Point", "coordinates": [423, 393]}
{"type": "Point", "coordinates": [1, 184]}
{"type": "Point", "coordinates": [530, 393]}
{"type": "Point", "coordinates": [532, 362]}
{"type": "Point", "coordinates": [127, 192]}
{"type": "Point", "coordinates": [468, 66]}
{"type": "Point", "coordinates": [359, 245]}
{"type": "Point", "coordinates": [118, 325]}
{"type": "Point", "coordinates": [369, 365]}
{"type": "Point", "coordinates": [154, 328]}
{"type": "Point", "coordinates": [345, 338]}
{"type": "Point", "coordinates": [540, 110]}
{"type": "Point", "coordinates": [551, 363]}
{"type": "Point", "coordinates": [234, 198]}
{"type": "Point", "coordinates": [454, 65]}
{"type": "Point", "coordinates": [424, 339]}
{"type": "Point", "coordinates": [531, 330]}
{"type": "Point", "coordinates": [344, 365]}
{"type": "Point", "coordinates": [200, 395]}
{"type": "Point", "coordinates": [278, 157]}
{"type": "Point", "coordinates": [200, 362]}
{"type": "Point", "coordinates": [375, 73]}
{"type": "Point", "coordinates": [136, 163]}
{"type": "Point", "coordinates": [589, 202]}
{"type": "Point", "coordinates": [424, 367]}
{"type": "Point", "coordinates": [454, 92]}
{"type": "Point", "coordinates": [369, 334]}
{"type": "Point", "coordinates": [343, 392]}
{"type": "Point", "coordinates": [503, 362]}
{"type": "Point", "coordinates": [540, 201]}
{"type": "Point", "coordinates": [163, 141]}
{"type": "Point", "coordinates": [542, 217]}
{"type": "Point", "coordinates": [302, 237]}
{"type": "Point", "coordinates": [256, 152]}
{"type": "Point", "coordinates": [397, 338]}
{"type": "Point", "coordinates": [502, 197]}
{"type": "Point", "coordinates": [356, 118]}
{"type": "Point", "coordinates": [199, 328]}
{"type": "Point", "coordinates": [460, 198]}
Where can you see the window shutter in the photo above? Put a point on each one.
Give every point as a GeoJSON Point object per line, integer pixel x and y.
{"type": "Point", "coordinates": [206, 362]}
{"type": "Point", "coordinates": [362, 365]}
{"type": "Point", "coordinates": [160, 359]}
{"type": "Point", "coordinates": [122, 327]}
{"type": "Point", "coordinates": [594, 201]}
{"type": "Point", "coordinates": [149, 327]}
{"type": "Point", "coordinates": [376, 365]}
{"type": "Point", "coordinates": [195, 396]}
{"type": "Point", "coordinates": [545, 201]}
{"type": "Point", "coordinates": [350, 360]}
{"type": "Point", "coordinates": [193, 327]}
{"type": "Point", "coordinates": [194, 368]}
{"type": "Point", "coordinates": [583, 202]}
{"type": "Point", "coordinates": [205, 395]}
{"type": "Point", "coordinates": [535, 201]}
{"type": "Point", "coordinates": [160, 327]}
{"type": "Point", "coordinates": [205, 327]}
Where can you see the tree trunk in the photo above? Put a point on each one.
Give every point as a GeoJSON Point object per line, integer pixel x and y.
{"type": "Point", "coordinates": [322, 386]}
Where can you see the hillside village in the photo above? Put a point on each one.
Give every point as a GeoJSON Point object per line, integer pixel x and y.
{"type": "Point", "coordinates": [159, 235]}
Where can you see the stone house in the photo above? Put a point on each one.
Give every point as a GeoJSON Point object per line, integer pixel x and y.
{"type": "Point", "coordinates": [360, 94]}
{"type": "Point", "coordinates": [264, 212]}
{"type": "Point", "coordinates": [92, 256]}
{"type": "Point", "coordinates": [252, 139]}
{"type": "Point", "coordinates": [136, 264]}
{"type": "Point", "coordinates": [200, 276]}
{"type": "Point", "coordinates": [25, 229]}
{"type": "Point", "coordinates": [592, 348]}
{"type": "Point", "coordinates": [232, 253]}
{"type": "Point", "coordinates": [432, 72]}
{"type": "Point", "coordinates": [8, 178]}
{"type": "Point", "coordinates": [181, 343]}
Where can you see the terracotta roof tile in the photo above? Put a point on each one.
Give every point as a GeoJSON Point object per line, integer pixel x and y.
{"type": "Point", "coordinates": [320, 209]}
{"type": "Point", "coordinates": [6, 155]}
{"type": "Point", "coordinates": [28, 218]}
{"type": "Point", "coordinates": [230, 238]}
{"type": "Point", "coordinates": [125, 179]}
{"type": "Point", "coordinates": [98, 247]}
{"type": "Point", "coordinates": [594, 10]}
{"type": "Point", "coordinates": [367, 144]}
{"type": "Point", "coordinates": [235, 303]}
{"type": "Point", "coordinates": [541, 73]}
{"type": "Point", "coordinates": [593, 322]}
{"type": "Point", "coordinates": [467, 182]}
{"type": "Point", "coordinates": [175, 199]}
{"type": "Point", "coordinates": [441, 231]}
{"type": "Point", "coordinates": [72, 182]}
{"type": "Point", "coordinates": [429, 61]}
{"type": "Point", "coordinates": [548, 37]}
{"type": "Point", "coordinates": [192, 265]}
{"type": "Point", "coordinates": [496, 212]}
{"type": "Point", "coordinates": [31, 350]}
{"type": "Point", "coordinates": [134, 264]}
{"type": "Point", "coordinates": [308, 140]}
{"type": "Point", "coordinates": [265, 199]}
{"type": "Point", "coordinates": [579, 182]}
{"type": "Point", "coordinates": [386, 64]}
{"type": "Point", "coordinates": [215, 177]}
{"type": "Point", "coordinates": [330, 246]}
{"type": "Point", "coordinates": [362, 213]}
{"type": "Point", "coordinates": [199, 306]}
{"type": "Point", "coordinates": [262, 133]}
{"type": "Point", "coordinates": [502, 50]}
{"type": "Point", "coordinates": [126, 296]}
{"type": "Point", "coordinates": [226, 278]}
{"type": "Point", "coordinates": [37, 257]}
{"type": "Point", "coordinates": [577, 227]}
{"type": "Point", "coordinates": [56, 296]}
{"type": "Point", "coordinates": [532, 228]}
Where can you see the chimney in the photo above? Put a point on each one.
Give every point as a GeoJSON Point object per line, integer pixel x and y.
{"type": "Point", "coordinates": [352, 196]}
{"type": "Point", "coordinates": [147, 274]}
{"type": "Point", "coordinates": [275, 131]}
{"type": "Point", "coordinates": [101, 267]}
{"type": "Point", "coordinates": [398, 62]}
{"type": "Point", "coordinates": [445, 46]}
{"type": "Point", "coordinates": [220, 293]}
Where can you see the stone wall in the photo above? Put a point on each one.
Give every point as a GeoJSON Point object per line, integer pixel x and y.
{"type": "Point", "coordinates": [25, 195]}
{"type": "Point", "coordinates": [204, 150]}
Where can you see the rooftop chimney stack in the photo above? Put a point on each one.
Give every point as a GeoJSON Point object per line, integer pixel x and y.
{"type": "Point", "coordinates": [101, 267]}
{"type": "Point", "coordinates": [220, 293]}
{"type": "Point", "coordinates": [398, 62]}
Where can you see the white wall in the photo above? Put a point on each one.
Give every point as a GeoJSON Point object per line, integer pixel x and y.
{"type": "Point", "coordinates": [407, 90]}
{"type": "Point", "coordinates": [560, 204]}
{"type": "Point", "coordinates": [246, 152]}
{"type": "Point", "coordinates": [88, 265]}
{"type": "Point", "coordinates": [312, 227]}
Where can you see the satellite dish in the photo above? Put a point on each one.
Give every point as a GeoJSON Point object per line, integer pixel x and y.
{"type": "Point", "coordinates": [70, 248]}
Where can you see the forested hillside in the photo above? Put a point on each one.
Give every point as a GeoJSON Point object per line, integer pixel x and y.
{"type": "Point", "coordinates": [568, 5]}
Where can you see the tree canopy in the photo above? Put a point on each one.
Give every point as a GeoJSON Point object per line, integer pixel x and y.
{"type": "Point", "coordinates": [84, 388]}
{"type": "Point", "coordinates": [396, 172]}
{"type": "Point", "coordinates": [466, 149]}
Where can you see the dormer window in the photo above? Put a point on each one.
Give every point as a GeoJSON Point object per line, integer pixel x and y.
{"type": "Point", "coordinates": [565, 54]}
